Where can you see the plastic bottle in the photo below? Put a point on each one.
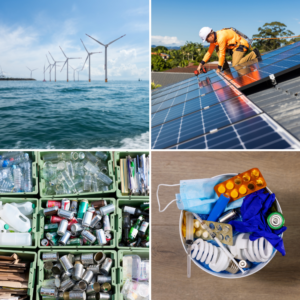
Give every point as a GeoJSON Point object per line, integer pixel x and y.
{"type": "Point", "coordinates": [3, 227]}
{"type": "Point", "coordinates": [102, 177]}
{"type": "Point", "coordinates": [53, 156]}
{"type": "Point", "coordinates": [14, 218]}
{"type": "Point", "coordinates": [27, 178]}
{"type": "Point", "coordinates": [101, 155]}
{"type": "Point", "coordinates": [15, 239]}
{"type": "Point", "coordinates": [15, 160]}
{"type": "Point", "coordinates": [90, 167]}
{"type": "Point", "coordinates": [87, 182]}
{"type": "Point", "coordinates": [91, 157]}
{"type": "Point", "coordinates": [17, 178]}
{"type": "Point", "coordinates": [26, 208]}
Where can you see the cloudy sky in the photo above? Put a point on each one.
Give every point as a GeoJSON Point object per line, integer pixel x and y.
{"type": "Point", "coordinates": [174, 22]}
{"type": "Point", "coordinates": [31, 28]}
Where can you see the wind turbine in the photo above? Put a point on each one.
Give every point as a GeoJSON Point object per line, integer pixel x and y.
{"type": "Point", "coordinates": [106, 46]}
{"type": "Point", "coordinates": [31, 71]}
{"type": "Point", "coordinates": [88, 57]}
{"type": "Point", "coordinates": [78, 74]}
{"type": "Point", "coordinates": [74, 70]}
{"type": "Point", "coordinates": [67, 62]}
{"type": "Point", "coordinates": [44, 73]}
{"type": "Point", "coordinates": [49, 68]}
{"type": "Point", "coordinates": [55, 62]}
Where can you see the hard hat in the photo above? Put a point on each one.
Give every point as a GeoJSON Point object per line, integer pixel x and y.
{"type": "Point", "coordinates": [204, 33]}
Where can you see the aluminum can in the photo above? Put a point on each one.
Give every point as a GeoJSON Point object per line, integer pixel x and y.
{"type": "Point", "coordinates": [45, 242]}
{"type": "Point", "coordinates": [101, 238]}
{"type": "Point", "coordinates": [88, 236]}
{"type": "Point", "coordinates": [99, 203]}
{"type": "Point", "coordinates": [106, 266]}
{"type": "Point", "coordinates": [95, 220]}
{"type": "Point", "coordinates": [51, 227]}
{"type": "Point", "coordinates": [87, 276]}
{"type": "Point", "coordinates": [106, 223]}
{"type": "Point", "coordinates": [53, 256]}
{"type": "Point", "coordinates": [65, 238]}
{"type": "Point", "coordinates": [55, 219]}
{"type": "Point", "coordinates": [62, 227]}
{"type": "Point", "coordinates": [105, 210]}
{"type": "Point", "coordinates": [87, 218]}
{"type": "Point", "coordinates": [50, 211]}
{"type": "Point", "coordinates": [73, 221]}
{"type": "Point", "coordinates": [83, 206]}
{"type": "Point", "coordinates": [51, 203]}
{"type": "Point", "coordinates": [65, 204]}
{"type": "Point", "coordinates": [69, 215]}
{"type": "Point", "coordinates": [74, 206]}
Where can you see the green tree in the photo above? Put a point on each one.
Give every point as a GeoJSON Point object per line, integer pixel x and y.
{"type": "Point", "coordinates": [162, 49]}
{"type": "Point", "coordinates": [272, 30]}
{"type": "Point", "coordinates": [158, 63]}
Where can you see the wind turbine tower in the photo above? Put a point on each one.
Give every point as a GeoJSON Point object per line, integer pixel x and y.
{"type": "Point", "coordinates": [106, 46]}
{"type": "Point", "coordinates": [55, 62]}
{"type": "Point", "coordinates": [67, 62]}
{"type": "Point", "coordinates": [31, 71]}
{"type": "Point", "coordinates": [50, 68]}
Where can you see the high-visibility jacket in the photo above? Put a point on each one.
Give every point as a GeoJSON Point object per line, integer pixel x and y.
{"type": "Point", "coordinates": [225, 39]}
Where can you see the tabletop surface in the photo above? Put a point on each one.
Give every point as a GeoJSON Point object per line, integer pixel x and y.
{"type": "Point", "coordinates": [280, 279]}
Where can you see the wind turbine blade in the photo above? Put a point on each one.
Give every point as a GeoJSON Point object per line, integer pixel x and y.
{"type": "Point", "coordinates": [116, 39]}
{"type": "Point", "coordinates": [47, 68]}
{"type": "Point", "coordinates": [64, 64]}
{"type": "Point", "coordinates": [71, 67]}
{"type": "Point", "coordinates": [28, 68]}
{"type": "Point", "coordinates": [75, 58]}
{"type": "Point", "coordinates": [48, 59]}
{"type": "Point", "coordinates": [84, 46]}
{"type": "Point", "coordinates": [34, 70]}
{"type": "Point", "coordinates": [95, 40]}
{"type": "Point", "coordinates": [95, 52]}
{"type": "Point", "coordinates": [51, 56]}
{"type": "Point", "coordinates": [85, 61]}
{"type": "Point", "coordinates": [63, 52]}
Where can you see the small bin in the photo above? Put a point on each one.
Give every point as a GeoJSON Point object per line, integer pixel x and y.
{"type": "Point", "coordinates": [224, 275]}
{"type": "Point", "coordinates": [29, 257]}
{"type": "Point", "coordinates": [34, 158]}
{"type": "Point", "coordinates": [110, 174]}
{"type": "Point", "coordinates": [117, 156]}
{"type": "Point", "coordinates": [144, 254]}
{"type": "Point", "coordinates": [35, 227]}
{"type": "Point", "coordinates": [109, 253]}
{"type": "Point", "coordinates": [132, 203]}
{"type": "Point", "coordinates": [42, 205]}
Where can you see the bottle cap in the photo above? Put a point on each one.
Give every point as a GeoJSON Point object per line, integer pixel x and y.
{"type": "Point", "coordinates": [30, 230]}
{"type": "Point", "coordinates": [33, 205]}
{"type": "Point", "coordinates": [6, 226]}
{"type": "Point", "coordinates": [5, 163]}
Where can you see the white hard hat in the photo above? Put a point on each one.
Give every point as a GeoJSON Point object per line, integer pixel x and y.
{"type": "Point", "coordinates": [204, 32]}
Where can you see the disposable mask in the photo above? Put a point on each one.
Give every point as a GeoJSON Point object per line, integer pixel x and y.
{"type": "Point", "coordinates": [198, 195]}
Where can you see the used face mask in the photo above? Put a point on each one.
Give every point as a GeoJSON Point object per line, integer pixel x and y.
{"type": "Point", "coordinates": [198, 195]}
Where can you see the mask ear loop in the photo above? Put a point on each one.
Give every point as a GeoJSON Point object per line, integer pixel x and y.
{"type": "Point", "coordinates": [158, 198]}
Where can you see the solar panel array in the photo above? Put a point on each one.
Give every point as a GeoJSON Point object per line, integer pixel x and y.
{"type": "Point", "coordinates": [211, 113]}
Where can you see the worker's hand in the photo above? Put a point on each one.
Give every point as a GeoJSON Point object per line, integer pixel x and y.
{"type": "Point", "coordinates": [218, 71]}
{"type": "Point", "coordinates": [199, 68]}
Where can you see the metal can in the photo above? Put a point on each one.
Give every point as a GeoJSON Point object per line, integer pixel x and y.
{"type": "Point", "coordinates": [87, 218]}
{"type": "Point", "coordinates": [106, 223]}
{"type": "Point", "coordinates": [103, 278]}
{"type": "Point", "coordinates": [95, 220]}
{"type": "Point", "coordinates": [105, 210]}
{"type": "Point", "coordinates": [106, 266]}
{"type": "Point", "coordinates": [73, 221]}
{"type": "Point", "coordinates": [82, 285]}
{"type": "Point", "coordinates": [65, 204]}
{"type": "Point", "coordinates": [51, 203]}
{"type": "Point", "coordinates": [77, 295]}
{"type": "Point", "coordinates": [48, 265]}
{"type": "Point", "coordinates": [87, 259]}
{"type": "Point", "coordinates": [94, 268]}
{"type": "Point", "coordinates": [83, 206]}
{"type": "Point", "coordinates": [105, 287]}
{"type": "Point", "coordinates": [57, 269]}
{"type": "Point", "coordinates": [99, 257]}
{"type": "Point", "coordinates": [78, 271]}
{"type": "Point", "coordinates": [74, 206]}
{"type": "Point", "coordinates": [88, 236]}
{"type": "Point", "coordinates": [75, 242]}
{"type": "Point", "coordinates": [228, 216]}
{"type": "Point", "coordinates": [45, 242]}
{"type": "Point", "coordinates": [66, 264]}
{"type": "Point", "coordinates": [53, 256]}
{"type": "Point", "coordinates": [55, 219]}
{"type": "Point", "coordinates": [66, 284]}
{"type": "Point", "coordinates": [104, 296]}
{"type": "Point", "coordinates": [65, 238]}
{"type": "Point", "coordinates": [69, 215]}
{"type": "Point", "coordinates": [76, 229]}
{"type": "Point", "coordinates": [51, 227]}
{"type": "Point", "coordinates": [62, 227]}
{"type": "Point", "coordinates": [108, 236]}
{"type": "Point", "coordinates": [101, 238]}
{"type": "Point", "coordinates": [93, 288]}
{"type": "Point", "coordinates": [99, 225]}
{"type": "Point", "coordinates": [87, 276]}
{"type": "Point", "coordinates": [99, 203]}
{"type": "Point", "coordinates": [50, 211]}
{"type": "Point", "coordinates": [48, 292]}
{"type": "Point", "coordinates": [52, 236]}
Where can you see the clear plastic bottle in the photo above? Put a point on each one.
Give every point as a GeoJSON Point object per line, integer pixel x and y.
{"type": "Point", "coordinates": [14, 218]}
{"type": "Point", "coordinates": [53, 156]}
{"type": "Point", "coordinates": [48, 173]}
{"type": "Point", "coordinates": [103, 167]}
{"type": "Point", "coordinates": [6, 187]}
{"type": "Point", "coordinates": [95, 187]}
{"type": "Point", "coordinates": [68, 179]}
{"type": "Point", "coordinates": [17, 178]}
{"type": "Point", "coordinates": [87, 182]}
{"type": "Point", "coordinates": [27, 178]}
{"type": "Point", "coordinates": [79, 169]}
{"type": "Point", "coordinates": [16, 160]}
{"type": "Point", "coordinates": [11, 154]}
{"type": "Point", "coordinates": [102, 177]}
{"type": "Point", "coordinates": [15, 239]}
{"type": "Point", "coordinates": [26, 208]}
{"type": "Point", "coordinates": [90, 167]}
{"type": "Point", "coordinates": [70, 168]}
{"type": "Point", "coordinates": [91, 157]}
{"type": "Point", "coordinates": [101, 155]}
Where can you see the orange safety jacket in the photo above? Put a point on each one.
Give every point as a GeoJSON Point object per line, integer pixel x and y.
{"type": "Point", "coordinates": [225, 39]}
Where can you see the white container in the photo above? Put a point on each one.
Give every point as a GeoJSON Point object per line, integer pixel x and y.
{"type": "Point", "coordinates": [14, 218]}
{"type": "Point", "coordinates": [15, 239]}
{"type": "Point", "coordinates": [3, 227]}
{"type": "Point", "coordinates": [253, 269]}
{"type": "Point", "coordinates": [26, 208]}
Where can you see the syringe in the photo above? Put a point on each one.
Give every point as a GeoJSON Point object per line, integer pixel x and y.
{"type": "Point", "coordinates": [213, 235]}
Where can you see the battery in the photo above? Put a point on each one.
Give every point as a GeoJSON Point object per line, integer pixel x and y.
{"type": "Point", "coordinates": [83, 206]}
{"type": "Point", "coordinates": [55, 219]}
{"type": "Point", "coordinates": [88, 236]}
{"type": "Point", "coordinates": [62, 227]}
{"type": "Point", "coordinates": [51, 203]}
{"type": "Point", "coordinates": [75, 242]}
{"type": "Point", "coordinates": [228, 216]}
{"type": "Point", "coordinates": [74, 206]}
{"type": "Point", "coordinates": [45, 242]}
{"type": "Point", "coordinates": [69, 215]}
{"type": "Point", "coordinates": [107, 209]}
{"type": "Point", "coordinates": [51, 227]}
{"type": "Point", "coordinates": [50, 211]}
{"type": "Point", "coordinates": [275, 220]}
{"type": "Point", "coordinates": [106, 223]}
{"type": "Point", "coordinates": [65, 204]}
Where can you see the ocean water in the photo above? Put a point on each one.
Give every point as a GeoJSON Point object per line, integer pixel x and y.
{"type": "Point", "coordinates": [70, 115]}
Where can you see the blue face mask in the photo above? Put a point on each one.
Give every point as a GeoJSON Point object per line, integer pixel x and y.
{"type": "Point", "coordinates": [198, 195]}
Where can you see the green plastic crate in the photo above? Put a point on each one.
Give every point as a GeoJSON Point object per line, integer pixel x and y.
{"type": "Point", "coordinates": [109, 253]}
{"type": "Point", "coordinates": [117, 156]}
{"type": "Point", "coordinates": [35, 227]}
{"type": "Point", "coordinates": [110, 174]}
{"type": "Point", "coordinates": [144, 254]}
{"type": "Point", "coordinates": [30, 257]}
{"type": "Point", "coordinates": [35, 189]}
{"type": "Point", "coordinates": [42, 204]}
{"type": "Point", "coordinates": [132, 203]}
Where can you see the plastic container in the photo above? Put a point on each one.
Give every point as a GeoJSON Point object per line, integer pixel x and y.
{"type": "Point", "coordinates": [117, 156]}
{"type": "Point", "coordinates": [26, 208]}
{"type": "Point", "coordinates": [30, 257]}
{"type": "Point", "coordinates": [34, 158]}
{"type": "Point", "coordinates": [109, 253]}
{"type": "Point", "coordinates": [144, 254]}
{"type": "Point", "coordinates": [34, 225]}
{"type": "Point", "coordinates": [132, 203]}
{"type": "Point", "coordinates": [42, 205]}
{"type": "Point", "coordinates": [111, 190]}
{"type": "Point", "coordinates": [223, 275]}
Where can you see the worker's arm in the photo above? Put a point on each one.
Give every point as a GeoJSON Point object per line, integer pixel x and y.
{"type": "Point", "coordinates": [207, 56]}
{"type": "Point", "coordinates": [222, 53]}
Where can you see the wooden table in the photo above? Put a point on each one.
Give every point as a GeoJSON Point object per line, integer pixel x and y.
{"type": "Point", "coordinates": [280, 279]}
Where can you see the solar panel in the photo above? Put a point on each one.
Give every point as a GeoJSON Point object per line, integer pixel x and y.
{"type": "Point", "coordinates": [259, 132]}
{"type": "Point", "coordinates": [201, 122]}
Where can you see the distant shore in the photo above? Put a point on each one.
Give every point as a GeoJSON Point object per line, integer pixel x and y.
{"type": "Point", "coordinates": [13, 79]}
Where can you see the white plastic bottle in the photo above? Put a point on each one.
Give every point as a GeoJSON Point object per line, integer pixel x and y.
{"type": "Point", "coordinates": [15, 239]}
{"type": "Point", "coordinates": [26, 208]}
{"type": "Point", "coordinates": [14, 218]}
{"type": "Point", "coordinates": [3, 227]}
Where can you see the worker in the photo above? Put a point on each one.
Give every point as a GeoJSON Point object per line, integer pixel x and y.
{"type": "Point", "coordinates": [226, 39]}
